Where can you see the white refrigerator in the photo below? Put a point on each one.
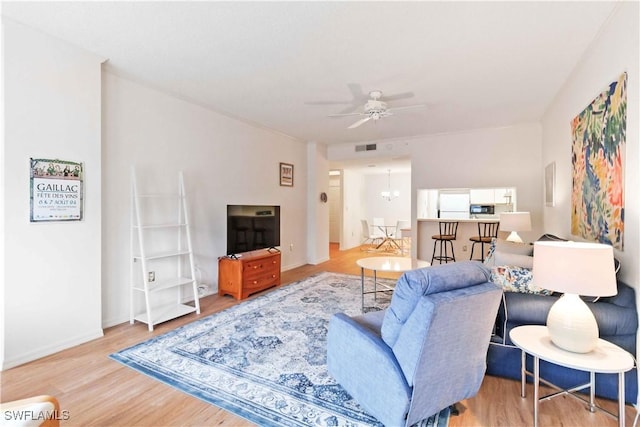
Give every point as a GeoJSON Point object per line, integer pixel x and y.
{"type": "Point", "coordinates": [454, 205]}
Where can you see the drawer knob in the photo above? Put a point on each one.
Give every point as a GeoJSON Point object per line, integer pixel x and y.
{"type": "Point", "coordinates": [255, 282]}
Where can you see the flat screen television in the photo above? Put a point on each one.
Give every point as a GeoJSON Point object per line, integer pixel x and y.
{"type": "Point", "coordinates": [252, 227]}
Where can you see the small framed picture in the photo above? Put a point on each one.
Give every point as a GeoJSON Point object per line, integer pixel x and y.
{"type": "Point", "coordinates": [286, 174]}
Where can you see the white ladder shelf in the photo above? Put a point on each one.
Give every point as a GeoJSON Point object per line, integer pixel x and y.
{"type": "Point", "coordinates": [141, 282]}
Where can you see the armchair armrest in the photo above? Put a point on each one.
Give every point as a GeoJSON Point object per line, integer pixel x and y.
{"type": "Point", "coordinates": [359, 359]}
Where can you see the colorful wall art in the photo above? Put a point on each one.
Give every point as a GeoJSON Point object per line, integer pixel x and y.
{"type": "Point", "coordinates": [598, 150]}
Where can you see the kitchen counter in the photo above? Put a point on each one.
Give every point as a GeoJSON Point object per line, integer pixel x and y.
{"type": "Point", "coordinates": [467, 227]}
{"type": "Point", "coordinates": [472, 220]}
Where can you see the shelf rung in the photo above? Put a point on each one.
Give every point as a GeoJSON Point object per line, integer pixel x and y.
{"type": "Point", "coordinates": [165, 284]}
{"type": "Point", "coordinates": [162, 254]}
{"type": "Point", "coordinates": [165, 312]}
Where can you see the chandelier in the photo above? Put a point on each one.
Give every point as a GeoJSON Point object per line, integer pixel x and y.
{"type": "Point", "coordinates": [388, 195]}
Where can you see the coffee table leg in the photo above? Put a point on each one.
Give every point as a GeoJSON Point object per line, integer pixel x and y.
{"type": "Point", "coordinates": [536, 389]}
{"type": "Point", "coordinates": [375, 285]}
{"type": "Point", "coordinates": [362, 289]}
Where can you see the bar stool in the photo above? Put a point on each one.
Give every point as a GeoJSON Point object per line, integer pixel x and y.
{"type": "Point", "coordinates": [448, 233]}
{"type": "Point", "coordinates": [486, 232]}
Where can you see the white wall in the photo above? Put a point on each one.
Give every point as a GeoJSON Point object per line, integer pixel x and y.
{"type": "Point", "coordinates": [51, 276]}
{"type": "Point", "coordinates": [353, 209]}
{"type": "Point", "coordinates": [484, 158]}
{"type": "Point", "coordinates": [318, 221]}
{"type": "Point", "coordinates": [390, 211]}
{"type": "Point", "coordinates": [613, 52]}
{"type": "Point", "coordinates": [500, 157]}
{"type": "Point", "coordinates": [224, 161]}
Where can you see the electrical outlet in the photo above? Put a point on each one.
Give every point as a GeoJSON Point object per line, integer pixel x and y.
{"type": "Point", "coordinates": [152, 276]}
{"type": "Point", "coordinates": [464, 248]}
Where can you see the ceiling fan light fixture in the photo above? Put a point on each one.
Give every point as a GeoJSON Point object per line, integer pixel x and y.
{"type": "Point", "coordinates": [375, 109]}
{"type": "Point", "coordinates": [387, 194]}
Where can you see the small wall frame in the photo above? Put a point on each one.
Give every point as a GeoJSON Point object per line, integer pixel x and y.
{"type": "Point", "coordinates": [550, 184]}
{"type": "Point", "coordinates": [286, 174]}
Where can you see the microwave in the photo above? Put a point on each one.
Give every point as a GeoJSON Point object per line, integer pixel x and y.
{"type": "Point", "coordinates": [482, 209]}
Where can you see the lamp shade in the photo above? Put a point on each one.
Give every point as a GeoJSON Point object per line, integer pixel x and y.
{"type": "Point", "coordinates": [575, 268]}
{"type": "Point", "coordinates": [515, 221]}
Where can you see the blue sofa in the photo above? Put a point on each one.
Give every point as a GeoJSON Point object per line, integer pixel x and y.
{"type": "Point", "coordinates": [617, 319]}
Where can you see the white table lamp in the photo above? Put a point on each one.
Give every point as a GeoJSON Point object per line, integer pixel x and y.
{"type": "Point", "coordinates": [514, 222]}
{"type": "Point", "coordinates": [574, 268]}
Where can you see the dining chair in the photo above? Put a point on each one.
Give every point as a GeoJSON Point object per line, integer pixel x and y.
{"type": "Point", "coordinates": [368, 237]}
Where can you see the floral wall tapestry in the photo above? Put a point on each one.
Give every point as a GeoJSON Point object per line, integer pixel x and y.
{"type": "Point", "coordinates": [598, 148]}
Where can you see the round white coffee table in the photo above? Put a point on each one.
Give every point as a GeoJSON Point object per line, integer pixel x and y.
{"type": "Point", "coordinates": [605, 358]}
{"type": "Point", "coordinates": [386, 264]}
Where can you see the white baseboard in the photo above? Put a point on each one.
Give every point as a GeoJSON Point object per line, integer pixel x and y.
{"type": "Point", "coordinates": [50, 349]}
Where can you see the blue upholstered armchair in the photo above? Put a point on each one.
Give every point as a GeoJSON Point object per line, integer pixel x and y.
{"type": "Point", "coordinates": [425, 352]}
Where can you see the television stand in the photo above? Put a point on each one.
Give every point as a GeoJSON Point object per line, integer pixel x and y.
{"type": "Point", "coordinates": [252, 272]}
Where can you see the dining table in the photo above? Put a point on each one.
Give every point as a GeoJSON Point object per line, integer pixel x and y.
{"type": "Point", "coordinates": [388, 236]}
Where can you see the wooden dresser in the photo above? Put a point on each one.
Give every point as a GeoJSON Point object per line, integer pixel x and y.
{"type": "Point", "coordinates": [250, 273]}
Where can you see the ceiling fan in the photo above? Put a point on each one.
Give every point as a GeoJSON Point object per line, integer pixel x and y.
{"type": "Point", "coordinates": [375, 109]}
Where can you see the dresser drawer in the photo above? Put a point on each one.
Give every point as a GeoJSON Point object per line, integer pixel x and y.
{"type": "Point", "coordinates": [251, 273]}
{"type": "Point", "coordinates": [259, 266]}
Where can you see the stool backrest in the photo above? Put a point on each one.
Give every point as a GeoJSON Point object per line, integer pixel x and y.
{"type": "Point", "coordinates": [448, 228]}
{"type": "Point", "coordinates": [488, 229]}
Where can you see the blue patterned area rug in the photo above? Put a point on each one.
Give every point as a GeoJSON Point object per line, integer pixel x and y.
{"type": "Point", "coordinates": [265, 359]}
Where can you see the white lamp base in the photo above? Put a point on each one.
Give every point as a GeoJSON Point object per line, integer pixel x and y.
{"type": "Point", "coordinates": [513, 237]}
{"type": "Point", "coordinates": [572, 326]}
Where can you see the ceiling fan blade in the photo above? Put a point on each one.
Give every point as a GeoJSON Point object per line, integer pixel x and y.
{"type": "Point", "coordinates": [346, 115]}
{"type": "Point", "coordinates": [328, 103]}
{"type": "Point", "coordinates": [359, 122]}
{"type": "Point", "coordinates": [406, 107]}
{"type": "Point", "coordinates": [398, 96]}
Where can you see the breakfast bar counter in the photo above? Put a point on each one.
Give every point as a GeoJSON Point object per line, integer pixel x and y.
{"type": "Point", "coordinates": [467, 227]}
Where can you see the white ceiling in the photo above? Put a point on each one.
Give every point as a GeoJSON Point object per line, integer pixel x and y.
{"type": "Point", "coordinates": [273, 64]}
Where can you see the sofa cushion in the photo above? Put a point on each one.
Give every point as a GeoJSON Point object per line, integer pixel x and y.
{"type": "Point", "coordinates": [514, 248]}
{"type": "Point", "coordinates": [516, 260]}
{"type": "Point", "coordinates": [502, 252]}
{"type": "Point", "coordinates": [615, 315]}
{"type": "Point", "coordinates": [415, 283]}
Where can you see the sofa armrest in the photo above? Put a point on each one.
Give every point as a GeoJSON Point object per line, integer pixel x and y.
{"type": "Point", "coordinates": [616, 315]}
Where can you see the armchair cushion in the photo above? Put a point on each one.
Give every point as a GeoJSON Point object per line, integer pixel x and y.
{"type": "Point", "coordinates": [416, 283]}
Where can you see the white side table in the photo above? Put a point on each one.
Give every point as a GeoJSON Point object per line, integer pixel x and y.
{"type": "Point", "coordinates": [607, 358]}
{"type": "Point", "coordinates": [389, 264]}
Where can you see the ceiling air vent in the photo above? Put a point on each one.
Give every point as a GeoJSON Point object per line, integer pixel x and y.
{"type": "Point", "coordinates": [366, 147]}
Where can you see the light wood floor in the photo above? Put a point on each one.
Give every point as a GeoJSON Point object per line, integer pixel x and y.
{"type": "Point", "coordinates": [98, 391]}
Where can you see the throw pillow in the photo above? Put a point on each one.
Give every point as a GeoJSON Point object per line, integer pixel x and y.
{"type": "Point", "coordinates": [516, 279]}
